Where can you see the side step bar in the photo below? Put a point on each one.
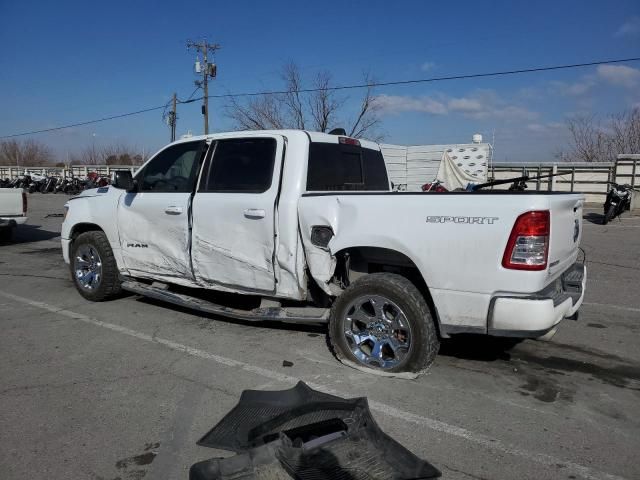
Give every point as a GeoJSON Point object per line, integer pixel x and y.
{"type": "Point", "coordinates": [310, 315]}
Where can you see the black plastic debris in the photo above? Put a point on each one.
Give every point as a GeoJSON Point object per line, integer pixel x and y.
{"type": "Point", "coordinates": [304, 434]}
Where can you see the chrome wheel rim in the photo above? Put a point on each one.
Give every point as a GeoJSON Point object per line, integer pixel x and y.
{"type": "Point", "coordinates": [87, 267]}
{"type": "Point", "coordinates": [377, 331]}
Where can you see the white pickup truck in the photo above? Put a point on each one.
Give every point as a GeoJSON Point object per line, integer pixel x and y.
{"type": "Point", "coordinates": [13, 211]}
{"type": "Point", "coordinates": [304, 227]}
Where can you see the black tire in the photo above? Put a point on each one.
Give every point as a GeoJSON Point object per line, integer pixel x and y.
{"type": "Point", "coordinates": [424, 344]}
{"type": "Point", "coordinates": [6, 234]}
{"type": "Point", "coordinates": [109, 284]}
{"type": "Point", "coordinates": [609, 215]}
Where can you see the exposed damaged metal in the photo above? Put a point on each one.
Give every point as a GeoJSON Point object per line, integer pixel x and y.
{"type": "Point", "coordinates": [301, 433]}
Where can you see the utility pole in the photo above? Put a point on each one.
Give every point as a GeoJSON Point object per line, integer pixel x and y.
{"type": "Point", "coordinates": [207, 70]}
{"type": "Point", "coordinates": [173, 117]}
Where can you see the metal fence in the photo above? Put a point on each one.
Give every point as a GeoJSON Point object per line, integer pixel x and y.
{"type": "Point", "coordinates": [592, 179]}
{"type": "Point", "coordinates": [71, 170]}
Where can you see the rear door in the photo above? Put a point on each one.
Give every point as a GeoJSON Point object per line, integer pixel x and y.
{"type": "Point", "coordinates": [153, 222]}
{"type": "Point", "coordinates": [233, 235]}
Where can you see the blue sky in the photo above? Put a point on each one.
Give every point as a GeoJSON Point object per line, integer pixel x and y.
{"type": "Point", "coordinates": [64, 62]}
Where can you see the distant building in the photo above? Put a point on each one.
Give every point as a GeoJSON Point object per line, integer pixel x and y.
{"type": "Point", "coordinates": [411, 167]}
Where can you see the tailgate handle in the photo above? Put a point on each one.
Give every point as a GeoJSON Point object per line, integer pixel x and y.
{"type": "Point", "coordinates": [254, 213]}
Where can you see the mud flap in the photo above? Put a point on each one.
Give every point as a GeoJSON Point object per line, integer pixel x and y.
{"type": "Point", "coordinates": [301, 433]}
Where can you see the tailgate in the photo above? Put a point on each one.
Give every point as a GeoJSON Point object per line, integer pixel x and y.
{"type": "Point", "coordinates": [566, 231]}
{"type": "Point", "coordinates": [10, 202]}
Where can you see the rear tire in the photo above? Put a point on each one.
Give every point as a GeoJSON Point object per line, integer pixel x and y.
{"type": "Point", "coordinates": [6, 234]}
{"type": "Point", "coordinates": [609, 215]}
{"type": "Point", "coordinates": [93, 267]}
{"type": "Point", "coordinates": [400, 296]}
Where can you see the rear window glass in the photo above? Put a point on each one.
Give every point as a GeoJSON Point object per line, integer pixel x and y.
{"type": "Point", "coordinates": [336, 167]}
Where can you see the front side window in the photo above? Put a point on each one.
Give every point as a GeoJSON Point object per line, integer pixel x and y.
{"type": "Point", "coordinates": [173, 170]}
{"type": "Point", "coordinates": [242, 165]}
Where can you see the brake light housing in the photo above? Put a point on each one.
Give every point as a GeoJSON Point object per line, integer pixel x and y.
{"type": "Point", "coordinates": [528, 245]}
{"type": "Point", "coordinates": [349, 141]}
{"type": "Point", "coordinates": [24, 204]}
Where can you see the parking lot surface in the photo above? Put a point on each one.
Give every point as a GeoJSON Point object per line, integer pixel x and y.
{"type": "Point", "coordinates": [122, 390]}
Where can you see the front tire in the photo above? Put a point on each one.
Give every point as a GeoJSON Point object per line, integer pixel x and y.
{"type": "Point", "coordinates": [382, 322]}
{"type": "Point", "coordinates": [93, 267]}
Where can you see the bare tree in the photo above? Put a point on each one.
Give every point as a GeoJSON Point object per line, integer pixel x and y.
{"type": "Point", "coordinates": [320, 109]}
{"type": "Point", "coordinates": [28, 153]}
{"type": "Point", "coordinates": [116, 154]}
{"type": "Point", "coordinates": [593, 140]}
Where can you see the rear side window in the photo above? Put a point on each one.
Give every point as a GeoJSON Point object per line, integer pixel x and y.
{"type": "Point", "coordinates": [337, 167]}
{"type": "Point", "coordinates": [242, 165]}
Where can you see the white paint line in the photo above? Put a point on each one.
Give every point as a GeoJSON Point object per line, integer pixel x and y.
{"type": "Point", "coordinates": [437, 425]}
{"type": "Point", "coordinates": [615, 307]}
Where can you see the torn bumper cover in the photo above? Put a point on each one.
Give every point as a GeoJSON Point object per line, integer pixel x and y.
{"type": "Point", "coordinates": [301, 433]}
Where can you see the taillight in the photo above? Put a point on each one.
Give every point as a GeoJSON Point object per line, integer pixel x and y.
{"type": "Point", "coordinates": [528, 245]}
{"type": "Point", "coordinates": [24, 204]}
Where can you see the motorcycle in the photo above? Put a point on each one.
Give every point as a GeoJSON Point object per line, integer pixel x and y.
{"type": "Point", "coordinates": [618, 200]}
{"type": "Point", "coordinates": [49, 184]}
{"type": "Point", "coordinates": [435, 186]}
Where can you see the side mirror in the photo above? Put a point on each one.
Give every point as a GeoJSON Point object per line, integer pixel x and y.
{"type": "Point", "coordinates": [124, 180]}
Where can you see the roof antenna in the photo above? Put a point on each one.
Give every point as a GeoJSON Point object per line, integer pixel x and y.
{"type": "Point", "coordinates": [338, 131]}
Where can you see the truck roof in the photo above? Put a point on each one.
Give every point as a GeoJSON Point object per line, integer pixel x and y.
{"type": "Point", "coordinates": [319, 137]}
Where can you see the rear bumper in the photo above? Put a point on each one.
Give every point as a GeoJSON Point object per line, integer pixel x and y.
{"type": "Point", "coordinates": [534, 315]}
{"type": "Point", "coordinates": [12, 221]}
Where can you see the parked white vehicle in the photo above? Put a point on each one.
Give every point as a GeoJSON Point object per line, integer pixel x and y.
{"type": "Point", "coordinates": [13, 211]}
{"type": "Point", "coordinates": [305, 226]}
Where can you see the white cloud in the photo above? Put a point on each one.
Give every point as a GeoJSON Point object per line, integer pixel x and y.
{"type": "Point", "coordinates": [426, 66]}
{"type": "Point", "coordinates": [544, 127]}
{"type": "Point", "coordinates": [398, 104]}
{"type": "Point", "coordinates": [619, 75]}
{"type": "Point", "coordinates": [481, 104]}
{"type": "Point", "coordinates": [629, 28]}
{"type": "Point", "coordinates": [465, 105]}
{"type": "Point", "coordinates": [576, 89]}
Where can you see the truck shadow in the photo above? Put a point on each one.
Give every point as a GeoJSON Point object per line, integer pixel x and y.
{"type": "Point", "coordinates": [478, 347]}
{"type": "Point", "coordinates": [30, 234]}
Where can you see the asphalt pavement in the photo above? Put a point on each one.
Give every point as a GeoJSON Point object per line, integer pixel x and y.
{"type": "Point", "coordinates": [122, 390]}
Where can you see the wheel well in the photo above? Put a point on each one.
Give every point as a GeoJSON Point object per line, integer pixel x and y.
{"type": "Point", "coordinates": [355, 262]}
{"type": "Point", "coordinates": [82, 228]}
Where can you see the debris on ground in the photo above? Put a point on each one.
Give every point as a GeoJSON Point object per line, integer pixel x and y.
{"type": "Point", "coordinates": [301, 433]}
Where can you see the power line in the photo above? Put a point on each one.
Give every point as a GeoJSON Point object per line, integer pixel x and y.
{"type": "Point", "coordinates": [341, 87]}
{"type": "Point", "coordinates": [88, 122]}
{"type": "Point", "coordinates": [427, 80]}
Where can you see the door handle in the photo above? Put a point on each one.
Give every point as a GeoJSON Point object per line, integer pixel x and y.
{"type": "Point", "coordinates": [173, 210]}
{"type": "Point", "coordinates": [254, 213]}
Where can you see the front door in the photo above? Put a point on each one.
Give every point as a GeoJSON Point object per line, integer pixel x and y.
{"type": "Point", "coordinates": [233, 237]}
{"type": "Point", "coordinates": [154, 221]}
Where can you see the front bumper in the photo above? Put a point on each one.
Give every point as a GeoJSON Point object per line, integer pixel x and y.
{"type": "Point", "coordinates": [66, 243]}
{"type": "Point", "coordinates": [534, 315]}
